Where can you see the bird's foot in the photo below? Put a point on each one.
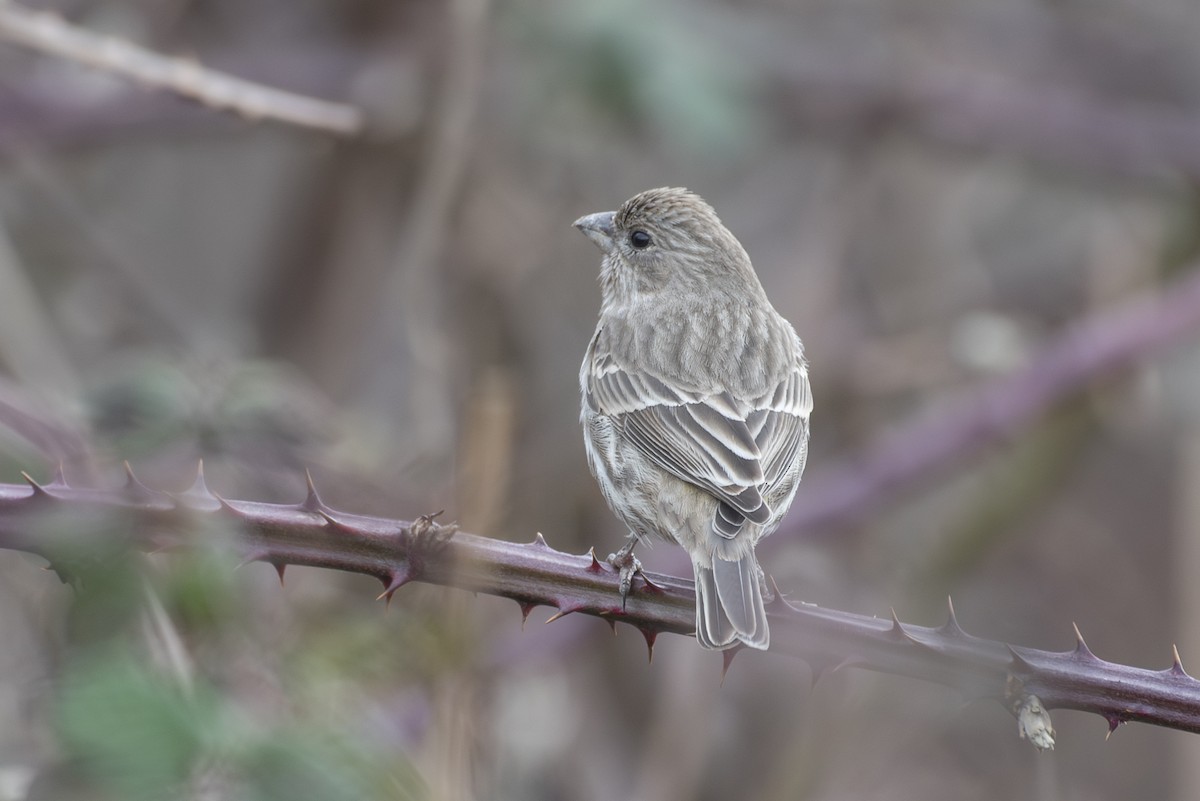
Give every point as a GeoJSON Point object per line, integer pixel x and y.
{"type": "Point", "coordinates": [627, 566]}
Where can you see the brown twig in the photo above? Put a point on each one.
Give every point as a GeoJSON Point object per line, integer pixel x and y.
{"type": "Point", "coordinates": [49, 33]}
{"type": "Point", "coordinates": [1025, 680]}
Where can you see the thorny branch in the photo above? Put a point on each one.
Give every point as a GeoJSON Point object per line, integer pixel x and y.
{"type": "Point", "coordinates": [49, 33]}
{"type": "Point", "coordinates": [1025, 680]}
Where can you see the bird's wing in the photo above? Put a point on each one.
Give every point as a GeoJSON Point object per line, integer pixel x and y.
{"type": "Point", "coordinates": [733, 450]}
{"type": "Point", "coordinates": [779, 424]}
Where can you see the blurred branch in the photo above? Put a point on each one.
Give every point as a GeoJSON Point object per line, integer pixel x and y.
{"type": "Point", "coordinates": [815, 92]}
{"type": "Point", "coordinates": [52, 112]}
{"type": "Point", "coordinates": [1025, 680]}
{"type": "Point", "coordinates": [49, 33]}
{"type": "Point", "coordinates": [849, 94]}
{"type": "Point", "coordinates": [28, 420]}
{"type": "Point", "coordinates": [56, 122]}
{"type": "Point", "coordinates": [1096, 346]}
{"type": "Point", "coordinates": [416, 285]}
{"type": "Point", "coordinates": [1050, 124]}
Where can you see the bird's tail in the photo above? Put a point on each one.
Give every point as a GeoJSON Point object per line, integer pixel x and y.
{"type": "Point", "coordinates": [729, 604]}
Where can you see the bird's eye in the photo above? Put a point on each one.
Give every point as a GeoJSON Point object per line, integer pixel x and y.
{"type": "Point", "coordinates": [640, 240]}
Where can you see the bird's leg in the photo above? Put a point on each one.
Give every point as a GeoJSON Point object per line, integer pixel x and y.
{"type": "Point", "coordinates": [627, 565]}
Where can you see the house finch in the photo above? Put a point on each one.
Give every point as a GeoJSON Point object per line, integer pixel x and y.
{"type": "Point", "coordinates": [695, 402]}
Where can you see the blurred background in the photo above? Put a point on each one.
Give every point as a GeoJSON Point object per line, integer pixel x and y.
{"type": "Point", "coordinates": [931, 192]}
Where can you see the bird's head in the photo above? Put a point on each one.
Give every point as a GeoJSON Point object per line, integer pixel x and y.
{"type": "Point", "coordinates": [666, 239]}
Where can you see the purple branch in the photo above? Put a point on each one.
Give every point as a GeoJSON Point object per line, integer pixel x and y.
{"type": "Point", "coordinates": [927, 448]}
{"type": "Point", "coordinates": [533, 574]}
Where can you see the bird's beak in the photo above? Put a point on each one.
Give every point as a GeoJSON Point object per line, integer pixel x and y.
{"type": "Point", "coordinates": [598, 228]}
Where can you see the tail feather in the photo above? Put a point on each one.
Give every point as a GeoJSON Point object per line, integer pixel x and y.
{"type": "Point", "coordinates": [713, 629]}
{"type": "Point", "coordinates": [729, 604]}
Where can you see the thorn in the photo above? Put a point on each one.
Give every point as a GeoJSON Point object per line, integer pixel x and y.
{"type": "Point", "coordinates": [652, 636]}
{"type": "Point", "coordinates": [539, 541]}
{"type": "Point", "coordinates": [280, 568]}
{"type": "Point", "coordinates": [849, 661]}
{"type": "Point", "coordinates": [312, 501]}
{"type": "Point", "coordinates": [253, 556]}
{"type": "Point", "coordinates": [561, 613]}
{"type": "Point", "coordinates": [199, 489]}
{"type": "Point", "coordinates": [330, 520]}
{"type": "Point", "coordinates": [951, 628]}
{"type": "Point", "coordinates": [1113, 723]}
{"type": "Point", "coordinates": [822, 667]}
{"type": "Point", "coordinates": [1177, 663]}
{"type": "Point", "coordinates": [1018, 662]}
{"type": "Point", "coordinates": [897, 630]}
{"type": "Point", "coordinates": [595, 566]}
{"type": "Point", "coordinates": [394, 581]}
{"type": "Point", "coordinates": [38, 489]}
{"type": "Point", "coordinates": [345, 526]}
{"type": "Point", "coordinates": [136, 489]}
{"type": "Point", "coordinates": [526, 608]}
{"type": "Point", "coordinates": [795, 607]}
{"type": "Point", "coordinates": [650, 586]}
{"type": "Point", "coordinates": [225, 505]}
{"type": "Point", "coordinates": [777, 602]}
{"type": "Point", "coordinates": [727, 657]}
{"type": "Point", "coordinates": [1081, 649]}
{"type": "Point", "coordinates": [59, 481]}
{"type": "Point", "coordinates": [612, 624]}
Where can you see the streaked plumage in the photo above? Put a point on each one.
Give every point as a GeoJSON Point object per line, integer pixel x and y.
{"type": "Point", "coordinates": [695, 400]}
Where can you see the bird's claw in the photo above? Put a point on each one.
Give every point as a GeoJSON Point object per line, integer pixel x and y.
{"type": "Point", "coordinates": [627, 566]}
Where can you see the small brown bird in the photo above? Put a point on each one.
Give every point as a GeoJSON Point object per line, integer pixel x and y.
{"type": "Point", "coordinates": [695, 402]}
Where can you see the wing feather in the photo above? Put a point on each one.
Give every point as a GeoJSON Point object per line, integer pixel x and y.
{"type": "Point", "coordinates": [737, 450]}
